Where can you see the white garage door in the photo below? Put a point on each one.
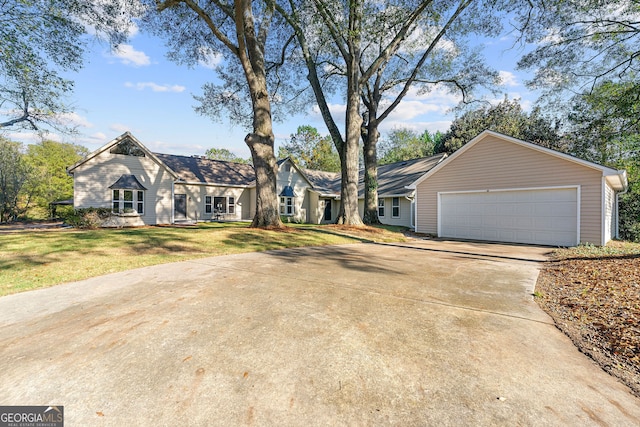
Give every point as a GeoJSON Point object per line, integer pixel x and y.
{"type": "Point", "coordinates": [541, 216]}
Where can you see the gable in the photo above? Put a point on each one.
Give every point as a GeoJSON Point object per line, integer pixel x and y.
{"type": "Point", "coordinates": [491, 152]}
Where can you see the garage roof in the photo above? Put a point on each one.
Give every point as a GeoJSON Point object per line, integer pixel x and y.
{"type": "Point", "coordinates": [616, 178]}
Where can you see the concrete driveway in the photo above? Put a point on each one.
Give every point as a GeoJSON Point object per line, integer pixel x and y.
{"type": "Point", "coordinates": [427, 333]}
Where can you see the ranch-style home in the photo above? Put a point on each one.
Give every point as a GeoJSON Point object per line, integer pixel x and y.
{"type": "Point", "coordinates": [494, 188]}
{"type": "Point", "coordinates": [145, 188]}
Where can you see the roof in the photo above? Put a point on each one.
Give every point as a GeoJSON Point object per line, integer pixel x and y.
{"type": "Point", "coordinates": [202, 170]}
{"type": "Point", "coordinates": [287, 191]}
{"type": "Point", "coordinates": [127, 182]}
{"type": "Point", "coordinates": [616, 178]}
{"type": "Point", "coordinates": [393, 178]}
{"type": "Point", "coordinates": [325, 183]}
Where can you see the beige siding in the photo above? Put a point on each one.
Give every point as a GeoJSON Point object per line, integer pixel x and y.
{"type": "Point", "coordinates": [404, 219]}
{"type": "Point", "coordinates": [196, 201]}
{"type": "Point", "coordinates": [300, 187]}
{"type": "Point", "coordinates": [494, 163]}
{"type": "Point", "coordinates": [93, 178]}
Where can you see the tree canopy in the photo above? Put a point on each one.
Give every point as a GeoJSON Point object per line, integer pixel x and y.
{"type": "Point", "coordinates": [225, 155]}
{"type": "Point", "coordinates": [508, 118]}
{"type": "Point", "coordinates": [311, 150]}
{"type": "Point", "coordinates": [406, 144]}
{"type": "Point", "coordinates": [40, 42]}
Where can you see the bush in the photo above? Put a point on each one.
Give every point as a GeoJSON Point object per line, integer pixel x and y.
{"type": "Point", "coordinates": [629, 226]}
{"type": "Point", "coordinates": [88, 218]}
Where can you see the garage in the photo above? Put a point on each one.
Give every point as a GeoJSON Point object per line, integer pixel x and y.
{"type": "Point", "coordinates": [543, 216]}
{"type": "Point", "coordinates": [502, 189]}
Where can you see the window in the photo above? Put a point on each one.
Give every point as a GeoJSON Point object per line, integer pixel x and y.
{"type": "Point", "coordinates": [395, 207]}
{"type": "Point", "coordinates": [220, 204]}
{"type": "Point", "coordinates": [231, 205]}
{"type": "Point", "coordinates": [128, 202]}
{"type": "Point", "coordinates": [286, 206]}
{"type": "Point", "coordinates": [207, 205]}
{"type": "Point", "coordinates": [381, 207]}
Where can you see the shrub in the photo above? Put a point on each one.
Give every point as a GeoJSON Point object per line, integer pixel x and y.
{"type": "Point", "coordinates": [88, 218]}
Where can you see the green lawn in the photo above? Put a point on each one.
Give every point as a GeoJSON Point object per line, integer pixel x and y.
{"type": "Point", "coordinates": [31, 259]}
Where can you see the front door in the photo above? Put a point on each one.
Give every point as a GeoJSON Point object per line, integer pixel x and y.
{"type": "Point", "coordinates": [180, 207]}
{"type": "Point", "coordinates": [327, 210]}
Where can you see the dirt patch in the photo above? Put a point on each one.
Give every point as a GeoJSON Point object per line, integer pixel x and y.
{"type": "Point", "coordinates": [594, 298]}
{"type": "Point", "coordinates": [32, 226]}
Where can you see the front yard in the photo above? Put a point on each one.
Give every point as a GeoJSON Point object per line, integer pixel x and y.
{"type": "Point", "coordinates": [37, 259]}
{"type": "Point", "coordinates": [593, 295]}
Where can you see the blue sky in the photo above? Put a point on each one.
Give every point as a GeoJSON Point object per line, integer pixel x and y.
{"type": "Point", "coordinates": [137, 89]}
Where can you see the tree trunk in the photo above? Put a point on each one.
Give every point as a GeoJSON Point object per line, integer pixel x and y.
{"type": "Point", "coordinates": [349, 157]}
{"type": "Point", "coordinates": [370, 150]}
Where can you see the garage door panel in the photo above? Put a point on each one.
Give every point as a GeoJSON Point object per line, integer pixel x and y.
{"type": "Point", "coordinates": [540, 216]}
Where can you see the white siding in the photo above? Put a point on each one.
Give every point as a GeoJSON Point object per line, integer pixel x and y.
{"type": "Point", "coordinates": [300, 187]}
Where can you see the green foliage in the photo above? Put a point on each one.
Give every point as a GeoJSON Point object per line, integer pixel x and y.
{"type": "Point", "coordinates": [15, 174]}
{"type": "Point", "coordinates": [604, 128]}
{"type": "Point", "coordinates": [88, 218]}
{"type": "Point", "coordinates": [311, 150]}
{"type": "Point", "coordinates": [48, 161]}
{"type": "Point", "coordinates": [405, 144]}
{"type": "Point", "coordinates": [225, 155]}
{"type": "Point", "coordinates": [41, 41]}
{"type": "Point", "coordinates": [507, 118]}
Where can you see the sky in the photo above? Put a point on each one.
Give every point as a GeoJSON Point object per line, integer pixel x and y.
{"type": "Point", "coordinates": [137, 89]}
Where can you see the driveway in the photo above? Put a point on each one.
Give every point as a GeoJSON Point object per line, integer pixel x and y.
{"type": "Point", "coordinates": [427, 333]}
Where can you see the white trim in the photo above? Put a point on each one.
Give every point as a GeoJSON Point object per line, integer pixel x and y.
{"type": "Point", "coordinates": [603, 210]}
{"type": "Point", "coordinates": [605, 170]}
{"type": "Point", "coordinates": [207, 184]}
{"type": "Point", "coordinates": [114, 142]}
{"type": "Point", "coordinates": [562, 187]}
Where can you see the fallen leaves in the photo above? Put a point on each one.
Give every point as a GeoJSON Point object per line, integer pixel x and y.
{"type": "Point", "coordinates": [595, 299]}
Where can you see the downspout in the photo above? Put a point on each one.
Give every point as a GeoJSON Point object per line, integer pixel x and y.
{"type": "Point", "coordinates": [173, 200]}
{"type": "Point", "coordinates": [412, 212]}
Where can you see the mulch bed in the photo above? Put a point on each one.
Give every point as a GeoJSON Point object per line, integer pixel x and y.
{"type": "Point", "coordinates": [595, 300]}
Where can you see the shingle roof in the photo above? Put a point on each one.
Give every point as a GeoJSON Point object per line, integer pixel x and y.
{"type": "Point", "coordinates": [326, 183]}
{"type": "Point", "coordinates": [394, 177]}
{"type": "Point", "coordinates": [198, 169]}
{"type": "Point", "coordinates": [127, 182]}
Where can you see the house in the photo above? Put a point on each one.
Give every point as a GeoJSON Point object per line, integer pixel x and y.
{"type": "Point", "coordinates": [145, 188]}
{"type": "Point", "coordinates": [499, 188]}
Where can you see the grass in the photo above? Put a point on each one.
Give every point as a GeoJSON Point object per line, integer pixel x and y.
{"type": "Point", "coordinates": [31, 260]}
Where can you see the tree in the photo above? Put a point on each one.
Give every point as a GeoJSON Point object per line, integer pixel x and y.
{"type": "Point", "coordinates": [41, 40]}
{"type": "Point", "coordinates": [14, 176]}
{"type": "Point", "coordinates": [48, 161]}
{"type": "Point", "coordinates": [508, 118]}
{"type": "Point", "coordinates": [436, 56]}
{"type": "Point", "coordinates": [331, 34]}
{"type": "Point", "coordinates": [604, 127]}
{"type": "Point", "coordinates": [225, 155]}
{"type": "Point", "coordinates": [240, 31]}
{"type": "Point", "coordinates": [311, 150]}
{"type": "Point", "coordinates": [405, 144]}
{"type": "Point", "coordinates": [580, 43]}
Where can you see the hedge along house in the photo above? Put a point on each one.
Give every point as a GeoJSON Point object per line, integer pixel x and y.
{"type": "Point", "coordinates": [498, 188]}
{"type": "Point", "coordinates": [145, 188]}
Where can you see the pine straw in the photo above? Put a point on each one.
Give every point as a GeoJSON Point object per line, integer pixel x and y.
{"type": "Point", "coordinates": [593, 295]}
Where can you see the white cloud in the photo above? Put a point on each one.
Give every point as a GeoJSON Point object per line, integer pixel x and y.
{"type": "Point", "coordinates": [119, 127]}
{"type": "Point", "coordinates": [74, 120]}
{"type": "Point", "coordinates": [212, 60]}
{"type": "Point", "coordinates": [507, 78]}
{"type": "Point", "coordinates": [129, 56]}
{"type": "Point", "coordinates": [155, 87]}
